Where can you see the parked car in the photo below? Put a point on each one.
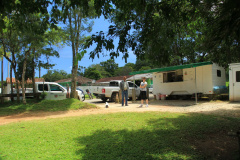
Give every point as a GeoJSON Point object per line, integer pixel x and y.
{"type": "Point", "coordinates": [79, 89]}
{"type": "Point", "coordinates": [54, 91]}
{"type": "Point", "coordinates": [110, 92]}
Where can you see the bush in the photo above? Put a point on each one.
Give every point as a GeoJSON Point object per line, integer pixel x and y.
{"type": "Point", "coordinates": [43, 95]}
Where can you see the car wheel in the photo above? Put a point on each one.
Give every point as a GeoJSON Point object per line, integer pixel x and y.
{"type": "Point", "coordinates": [113, 97]}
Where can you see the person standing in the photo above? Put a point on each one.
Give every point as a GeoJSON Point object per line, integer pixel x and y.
{"type": "Point", "coordinates": [143, 93]}
{"type": "Point", "coordinates": [124, 88]}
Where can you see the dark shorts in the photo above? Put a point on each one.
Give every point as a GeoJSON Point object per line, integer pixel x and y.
{"type": "Point", "coordinates": [143, 95]}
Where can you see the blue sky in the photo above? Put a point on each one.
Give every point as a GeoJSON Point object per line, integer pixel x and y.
{"type": "Point", "coordinates": [64, 62]}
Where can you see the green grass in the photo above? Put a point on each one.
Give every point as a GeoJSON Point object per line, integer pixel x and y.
{"type": "Point", "coordinates": [87, 97]}
{"type": "Point", "coordinates": [121, 136]}
{"type": "Point", "coordinates": [9, 108]}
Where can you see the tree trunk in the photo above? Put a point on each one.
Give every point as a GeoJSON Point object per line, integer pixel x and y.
{"type": "Point", "coordinates": [33, 75]}
{"type": "Point", "coordinates": [74, 68]}
{"type": "Point", "coordinates": [11, 83]}
{"type": "Point", "coordinates": [17, 84]}
{"type": "Point", "coordinates": [2, 81]}
{"type": "Point", "coordinates": [23, 76]}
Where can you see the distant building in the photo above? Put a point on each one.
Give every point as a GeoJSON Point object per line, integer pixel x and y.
{"type": "Point", "coordinates": [28, 81]}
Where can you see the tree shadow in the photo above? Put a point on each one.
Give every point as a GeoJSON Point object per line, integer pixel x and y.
{"type": "Point", "coordinates": [125, 144]}
{"type": "Point", "coordinates": [163, 138]}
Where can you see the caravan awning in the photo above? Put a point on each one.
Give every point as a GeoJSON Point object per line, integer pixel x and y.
{"type": "Point", "coordinates": [140, 76]}
{"type": "Point", "coordinates": [171, 68]}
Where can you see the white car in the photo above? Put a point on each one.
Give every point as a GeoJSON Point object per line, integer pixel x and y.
{"type": "Point", "coordinates": [81, 95]}
{"type": "Point", "coordinates": [54, 91]}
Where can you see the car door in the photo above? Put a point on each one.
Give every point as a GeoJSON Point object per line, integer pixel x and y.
{"type": "Point", "coordinates": [57, 92]}
{"type": "Point", "coordinates": [137, 90]}
{"type": "Point", "coordinates": [44, 88]}
{"type": "Point", "coordinates": [131, 87]}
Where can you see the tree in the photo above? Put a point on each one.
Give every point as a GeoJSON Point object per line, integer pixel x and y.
{"type": "Point", "coordinates": [55, 75]}
{"type": "Point", "coordinates": [170, 32]}
{"type": "Point", "coordinates": [110, 66]}
{"type": "Point", "coordinates": [77, 25]}
{"type": "Point", "coordinates": [123, 71]}
{"type": "Point", "coordinates": [101, 70]}
{"type": "Point", "coordinates": [27, 37]}
{"type": "Point", "coordinates": [92, 73]}
{"type": "Point", "coordinates": [222, 33]}
{"type": "Point", "coordinates": [81, 70]}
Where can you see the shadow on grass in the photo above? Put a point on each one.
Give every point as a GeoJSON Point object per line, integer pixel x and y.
{"type": "Point", "coordinates": [163, 138]}
{"type": "Point", "coordinates": [140, 144]}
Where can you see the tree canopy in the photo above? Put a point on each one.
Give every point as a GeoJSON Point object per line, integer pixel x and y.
{"type": "Point", "coordinates": [170, 32]}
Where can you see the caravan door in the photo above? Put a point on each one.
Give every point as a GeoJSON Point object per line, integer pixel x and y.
{"type": "Point", "coordinates": [235, 84]}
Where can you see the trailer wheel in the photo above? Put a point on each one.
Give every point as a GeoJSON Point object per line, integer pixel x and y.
{"type": "Point", "coordinates": [113, 97]}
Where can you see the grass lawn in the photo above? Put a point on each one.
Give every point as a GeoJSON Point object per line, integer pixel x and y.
{"type": "Point", "coordinates": [87, 97]}
{"type": "Point", "coordinates": [123, 136]}
{"type": "Point", "coordinates": [9, 108]}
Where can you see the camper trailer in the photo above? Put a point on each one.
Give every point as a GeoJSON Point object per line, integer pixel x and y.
{"type": "Point", "coordinates": [204, 78]}
{"type": "Point", "coordinates": [234, 82]}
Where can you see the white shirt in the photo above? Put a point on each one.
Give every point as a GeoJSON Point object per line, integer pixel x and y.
{"type": "Point", "coordinates": [125, 85]}
{"type": "Point", "coordinates": [142, 84]}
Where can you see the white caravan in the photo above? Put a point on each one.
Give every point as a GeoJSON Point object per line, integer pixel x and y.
{"type": "Point", "coordinates": [204, 78]}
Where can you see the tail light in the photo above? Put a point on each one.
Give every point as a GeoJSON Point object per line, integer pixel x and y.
{"type": "Point", "coordinates": [103, 90]}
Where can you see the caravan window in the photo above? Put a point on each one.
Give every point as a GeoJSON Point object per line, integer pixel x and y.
{"type": "Point", "coordinates": [219, 73]}
{"type": "Point", "coordinates": [176, 76]}
{"type": "Point", "coordinates": [238, 76]}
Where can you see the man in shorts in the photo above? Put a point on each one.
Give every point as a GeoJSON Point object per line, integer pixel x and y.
{"type": "Point", "coordinates": [143, 93]}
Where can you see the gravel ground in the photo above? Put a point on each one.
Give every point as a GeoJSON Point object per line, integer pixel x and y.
{"type": "Point", "coordinates": [224, 108]}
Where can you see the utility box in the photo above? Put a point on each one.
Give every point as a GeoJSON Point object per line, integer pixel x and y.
{"type": "Point", "coordinates": [234, 82]}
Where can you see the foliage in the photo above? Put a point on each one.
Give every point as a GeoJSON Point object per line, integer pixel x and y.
{"type": "Point", "coordinates": [170, 32]}
{"type": "Point", "coordinates": [222, 34]}
{"type": "Point", "coordinates": [123, 71]}
{"type": "Point", "coordinates": [9, 108]}
{"type": "Point", "coordinates": [78, 24]}
{"type": "Point", "coordinates": [4, 83]}
{"type": "Point", "coordinates": [92, 73]}
{"type": "Point", "coordinates": [43, 95]}
{"type": "Point", "coordinates": [109, 66]}
{"type": "Point", "coordinates": [80, 71]}
{"type": "Point", "coordinates": [148, 135]}
{"type": "Point", "coordinates": [55, 75]}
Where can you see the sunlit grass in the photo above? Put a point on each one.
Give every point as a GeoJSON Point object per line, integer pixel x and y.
{"type": "Point", "coordinates": [9, 108]}
{"type": "Point", "coordinates": [151, 135]}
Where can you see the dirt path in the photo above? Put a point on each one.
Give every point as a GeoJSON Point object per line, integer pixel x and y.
{"type": "Point", "coordinates": [219, 108]}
